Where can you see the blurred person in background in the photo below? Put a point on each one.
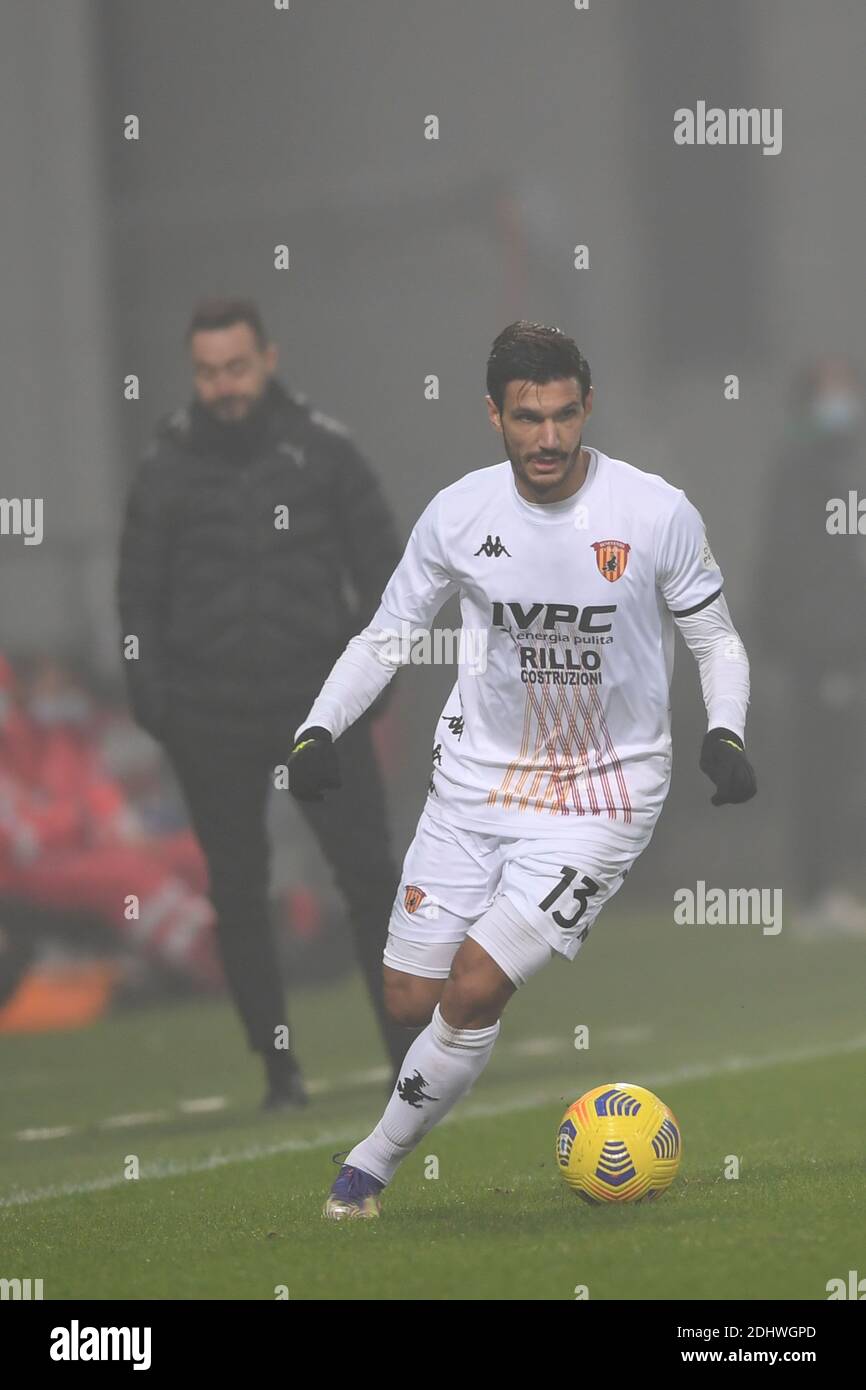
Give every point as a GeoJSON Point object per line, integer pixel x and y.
{"type": "Point", "coordinates": [256, 539]}
{"type": "Point", "coordinates": [811, 622]}
{"type": "Point", "coordinates": [69, 845]}
{"type": "Point", "coordinates": [63, 721]}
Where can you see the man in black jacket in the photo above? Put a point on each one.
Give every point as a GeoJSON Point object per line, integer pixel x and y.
{"type": "Point", "coordinates": [250, 517]}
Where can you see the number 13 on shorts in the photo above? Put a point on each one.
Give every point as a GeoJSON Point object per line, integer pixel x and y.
{"type": "Point", "coordinates": [572, 906]}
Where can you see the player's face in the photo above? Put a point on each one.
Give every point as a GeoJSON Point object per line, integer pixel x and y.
{"type": "Point", "coordinates": [230, 370]}
{"type": "Point", "coordinates": [541, 426]}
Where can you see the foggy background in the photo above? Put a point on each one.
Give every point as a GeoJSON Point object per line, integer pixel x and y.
{"type": "Point", "coordinates": [305, 127]}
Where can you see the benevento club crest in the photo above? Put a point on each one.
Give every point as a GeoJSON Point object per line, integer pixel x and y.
{"type": "Point", "coordinates": [413, 897]}
{"type": "Point", "coordinates": [611, 558]}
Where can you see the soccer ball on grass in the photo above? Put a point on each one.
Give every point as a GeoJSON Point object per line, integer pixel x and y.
{"type": "Point", "coordinates": [618, 1143]}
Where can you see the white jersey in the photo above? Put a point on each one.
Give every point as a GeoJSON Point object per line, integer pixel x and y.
{"type": "Point", "coordinates": [560, 715]}
{"type": "Point", "coordinates": [572, 605]}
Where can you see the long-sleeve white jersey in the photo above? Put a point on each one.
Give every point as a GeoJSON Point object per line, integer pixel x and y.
{"type": "Point", "coordinates": [561, 706]}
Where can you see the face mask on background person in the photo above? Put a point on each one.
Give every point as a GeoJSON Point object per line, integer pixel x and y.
{"type": "Point", "coordinates": [836, 412]}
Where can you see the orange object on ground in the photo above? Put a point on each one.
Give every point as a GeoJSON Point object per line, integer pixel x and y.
{"type": "Point", "coordinates": [56, 997]}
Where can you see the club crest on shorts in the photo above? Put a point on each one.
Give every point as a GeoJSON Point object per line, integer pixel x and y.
{"type": "Point", "coordinates": [413, 897]}
{"type": "Point", "coordinates": [611, 558]}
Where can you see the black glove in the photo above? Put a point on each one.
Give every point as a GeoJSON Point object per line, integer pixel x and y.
{"type": "Point", "coordinates": [313, 766]}
{"type": "Point", "coordinates": [723, 759]}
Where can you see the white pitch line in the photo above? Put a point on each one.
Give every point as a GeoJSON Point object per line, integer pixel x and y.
{"type": "Point", "coordinates": [373, 1076]}
{"type": "Point", "coordinates": [205, 1105]}
{"type": "Point", "coordinates": [170, 1168]}
{"type": "Point", "coordinates": [141, 1117]}
{"type": "Point", "coordinates": [318, 1088]}
{"type": "Point", "coordinates": [538, 1047]}
{"type": "Point", "coordinates": [58, 1132]}
{"type": "Point", "coordinates": [626, 1035]}
{"type": "Point", "coordinates": [561, 1042]}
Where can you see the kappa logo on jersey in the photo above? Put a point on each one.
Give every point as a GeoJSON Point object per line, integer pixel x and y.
{"type": "Point", "coordinates": [411, 1089]}
{"type": "Point", "coordinates": [493, 549]}
{"type": "Point", "coordinates": [611, 558]}
{"type": "Point", "coordinates": [413, 897]}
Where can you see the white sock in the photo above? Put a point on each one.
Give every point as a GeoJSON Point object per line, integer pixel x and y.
{"type": "Point", "coordinates": [442, 1064]}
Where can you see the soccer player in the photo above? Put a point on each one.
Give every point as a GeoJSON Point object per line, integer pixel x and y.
{"type": "Point", "coordinates": [552, 757]}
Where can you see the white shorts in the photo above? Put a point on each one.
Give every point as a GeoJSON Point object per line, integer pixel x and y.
{"type": "Point", "coordinates": [556, 885]}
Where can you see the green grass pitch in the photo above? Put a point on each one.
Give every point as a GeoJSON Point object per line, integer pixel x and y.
{"type": "Point", "coordinates": [757, 1043]}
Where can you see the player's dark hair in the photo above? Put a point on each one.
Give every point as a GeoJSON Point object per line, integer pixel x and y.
{"type": "Point", "coordinates": [225, 313]}
{"type": "Point", "coordinates": [533, 352]}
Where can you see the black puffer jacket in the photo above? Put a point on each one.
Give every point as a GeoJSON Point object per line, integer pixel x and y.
{"type": "Point", "coordinates": [235, 616]}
